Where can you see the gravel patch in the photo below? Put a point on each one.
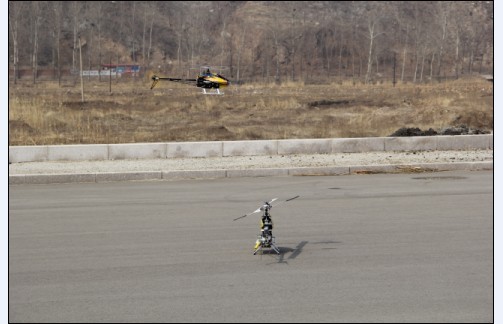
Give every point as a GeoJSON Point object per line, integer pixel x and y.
{"type": "Point", "coordinates": [250, 162]}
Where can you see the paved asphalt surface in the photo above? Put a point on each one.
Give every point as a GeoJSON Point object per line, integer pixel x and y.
{"type": "Point", "coordinates": [360, 248]}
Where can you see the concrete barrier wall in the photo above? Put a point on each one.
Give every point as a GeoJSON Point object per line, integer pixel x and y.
{"type": "Point", "coordinates": [410, 143]}
{"type": "Point", "coordinates": [305, 146]}
{"type": "Point", "coordinates": [194, 149]}
{"type": "Point", "coordinates": [27, 154]}
{"type": "Point", "coordinates": [358, 145]}
{"type": "Point", "coordinates": [77, 152]}
{"type": "Point", "coordinates": [136, 151]}
{"type": "Point", "coordinates": [245, 148]}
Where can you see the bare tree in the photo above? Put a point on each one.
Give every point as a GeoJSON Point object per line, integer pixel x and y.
{"type": "Point", "coordinates": [179, 24]}
{"type": "Point", "coordinates": [269, 56]}
{"type": "Point", "coordinates": [419, 37]}
{"type": "Point", "coordinates": [75, 9]}
{"type": "Point", "coordinates": [443, 15]}
{"type": "Point", "coordinates": [16, 10]}
{"type": "Point", "coordinates": [196, 34]}
{"type": "Point", "coordinates": [57, 12]}
{"type": "Point", "coordinates": [152, 18]}
{"type": "Point", "coordinates": [97, 16]}
{"type": "Point", "coordinates": [277, 76]}
{"type": "Point", "coordinates": [133, 33]}
{"type": "Point", "coordinates": [223, 35]}
{"type": "Point", "coordinates": [373, 32]}
{"type": "Point", "coordinates": [404, 22]}
{"type": "Point", "coordinates": [356, 42]}
{"type": "Point", "coordinates": [293, 36]}
{"type": "Point", "coordinates": [145, 6]}
{"type": "Point", "coordinates": [240, 47]}
{"type": "Point", "coordinates": [404, 57]}
{"type": "Point", "coordinates": [36, 11]}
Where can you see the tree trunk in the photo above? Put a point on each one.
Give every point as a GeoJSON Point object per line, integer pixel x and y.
{"type": "Point", "coordinates": [35, 46]}
{"type": "Point", "coordinates": [13, 23]}
{"type": "Point", "coordinates": [369, 61]}
{"type": "Point", "coordinates": [456, 56]}
{"type": "Point", "coordinates": [240, 50]}
{"type": "Point", "coordinates": [99, 20]}
{"type": "Point", "coordinates": [16, 9]}
{"type": "Point", "coordinates": [441, 51]}
{"type": "Point", "coordinates": [431, 65]}
{"type": "Point", "coordinates": [150, 36]}
{"type": "Point", "coordinates": [416, 67]}
{"type": "Point", "coordinates": [277, 76]}
{"type": "Point", "coordinates": [404, 58]}
{"type": "Point", "coordinates": [422, 66]}
{"type": "Point", "coordinates": [144, 33]}
{"type": "Point", "coordinates": [75, 32]}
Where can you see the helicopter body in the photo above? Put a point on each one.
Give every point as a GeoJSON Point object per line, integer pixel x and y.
{"type": "Point", "coordinates": [265, 239]}
{"type": "Point", "coordinates": [211, 80]}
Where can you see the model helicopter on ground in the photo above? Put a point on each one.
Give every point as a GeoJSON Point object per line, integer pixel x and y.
{"type": "Point", "coordinates": [205, 80]}
{"type": "Point", "coordinates": [266, 239]}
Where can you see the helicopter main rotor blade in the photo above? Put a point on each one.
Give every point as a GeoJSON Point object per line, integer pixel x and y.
{"type": "Point", "coordinates": [260, 209]}
{"type": "Point", "coordinates": [289, 199]}
{"type": "Point", "coordinates": [247, 214]}
{"type": "Point", "coordinates": [235, 219]}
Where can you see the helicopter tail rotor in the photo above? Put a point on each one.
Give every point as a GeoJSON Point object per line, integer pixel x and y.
{"type": "Point", "coordinates": [155, 80]}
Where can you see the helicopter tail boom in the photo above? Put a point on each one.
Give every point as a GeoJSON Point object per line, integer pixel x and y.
{"type": "Point", "coordinates": [156, 79]}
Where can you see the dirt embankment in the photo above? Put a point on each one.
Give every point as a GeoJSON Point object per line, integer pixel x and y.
{"type": "Point", "coordinates": [45, 114]}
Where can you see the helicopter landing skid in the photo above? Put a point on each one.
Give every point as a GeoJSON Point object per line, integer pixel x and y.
{"type": "Point", "coordinates": [212, 92]}
{"type": "Point", "coordinates": [272, 246]}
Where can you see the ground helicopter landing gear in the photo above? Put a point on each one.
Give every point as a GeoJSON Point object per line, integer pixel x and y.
{"type": "Point", "coordinates": [212, 92]}
{"type": "Point", "coordinates": [265, 242]}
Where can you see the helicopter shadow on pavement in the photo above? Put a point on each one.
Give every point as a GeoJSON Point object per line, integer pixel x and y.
{"type": "Point", "coordinates": [284, 250]}
{"type": "Point", "coordinates": [297, 250]}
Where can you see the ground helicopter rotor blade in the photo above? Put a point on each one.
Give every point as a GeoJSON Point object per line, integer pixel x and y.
{"type": "Point", "coordinates": [247, 214]}
{"type": "Point", "coordinates": [283, 201]}
{"type": "Point", "coordinates": [259, 209]}
{"type": "Point", "coordinates": [272, 200]}
{"type": "Point", "coordinates": [235, 219]}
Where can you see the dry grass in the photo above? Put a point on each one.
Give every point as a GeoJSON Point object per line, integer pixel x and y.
{"type": "Point", "coordinates": [47, 114]}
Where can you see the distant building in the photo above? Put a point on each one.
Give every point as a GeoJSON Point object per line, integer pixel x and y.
{"type": "Point", "coordinates": [129, 69]}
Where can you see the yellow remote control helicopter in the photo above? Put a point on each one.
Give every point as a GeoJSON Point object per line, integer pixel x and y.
{"type": "Point", "coordinates": [206, 80]}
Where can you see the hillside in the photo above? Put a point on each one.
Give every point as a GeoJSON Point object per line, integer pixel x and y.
{"type": "Point", "coordinates": [275, 41]}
